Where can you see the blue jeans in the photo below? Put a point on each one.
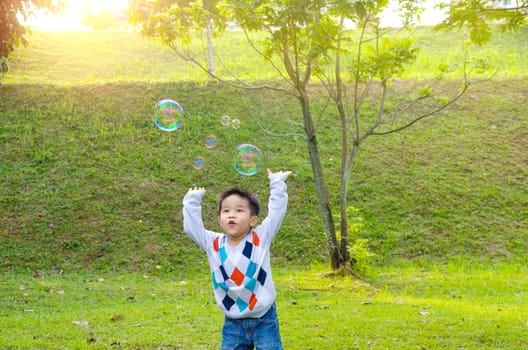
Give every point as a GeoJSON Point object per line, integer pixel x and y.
{"type": "Point", "coordinates": [248, 333]}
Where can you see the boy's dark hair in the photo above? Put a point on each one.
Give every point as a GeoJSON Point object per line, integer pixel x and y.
{"type": "Point", "coordinates": [254, 205]}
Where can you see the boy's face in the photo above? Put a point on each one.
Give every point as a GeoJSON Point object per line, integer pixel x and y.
{"type": "Point", "coordinates": [235, 218]}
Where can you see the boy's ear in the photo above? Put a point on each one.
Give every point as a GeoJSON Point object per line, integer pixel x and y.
{"type": "Point", "coordinates": [253, 220]}
{"type": "Point", "coordinates": [218, 219]}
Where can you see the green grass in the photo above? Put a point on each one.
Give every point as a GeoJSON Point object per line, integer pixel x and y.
{"type": "Point", "coordinates": [87, 176]}
{"type": "Point", "coordinates": [90, 189]}
{"type": "Point", "coordinates": [456, 306]}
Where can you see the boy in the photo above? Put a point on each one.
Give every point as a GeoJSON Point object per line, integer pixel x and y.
{"type": "Point", "coordinates": [240, 261]}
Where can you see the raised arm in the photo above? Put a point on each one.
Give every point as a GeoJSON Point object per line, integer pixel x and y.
{"type": "Point", "coordinates": [192, 217]}
{"type": "Point", "coordinates": [277, 203]}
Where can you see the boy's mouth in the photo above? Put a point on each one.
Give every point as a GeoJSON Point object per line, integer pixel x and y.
{"type": "Point", "coordinates": [231, 222]}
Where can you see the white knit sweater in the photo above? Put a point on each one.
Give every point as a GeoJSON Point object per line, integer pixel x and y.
{"type": "Point", "coordinates": [242, 281]}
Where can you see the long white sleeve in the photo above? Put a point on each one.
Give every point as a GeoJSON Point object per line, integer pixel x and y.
{"type": "Point", "coordinates": [192, 220]}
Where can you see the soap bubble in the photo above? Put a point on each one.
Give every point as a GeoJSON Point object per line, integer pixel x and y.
{"type": "Point", "coordinates": [225, 120]}
{"type": "Point", "coordinates": [248, 159]}
{"type": "Point", "coordinates": [235, 123]}
{"type": "Point", "coordinates": [210, 141]}
{"type": "Point", "coordinates": [198, 163]}
{"type": "Point", "coordinates": [168, 115]}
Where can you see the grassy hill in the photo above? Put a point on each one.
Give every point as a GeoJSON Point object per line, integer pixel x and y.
{"type": "Point", "coordinates": [87, 180]}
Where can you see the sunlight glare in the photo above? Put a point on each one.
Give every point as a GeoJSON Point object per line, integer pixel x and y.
{"type": "Point", "coordinates": [71, 18]}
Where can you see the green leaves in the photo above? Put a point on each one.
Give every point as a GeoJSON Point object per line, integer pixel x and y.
{"type": "Point", "coordinates": [173, 20]}
{"type": "Point", "coordinates": [12, 32]}
{"type": "Point", "coordinates": [389, 58]}
{"type": "Point", "coordinates": [479, 15]}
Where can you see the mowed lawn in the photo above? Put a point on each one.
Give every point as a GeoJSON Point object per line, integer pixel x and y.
{"type": "Point", "coordinates": [446, 307]}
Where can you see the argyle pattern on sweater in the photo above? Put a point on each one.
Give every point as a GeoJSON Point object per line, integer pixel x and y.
{"type": "Point", "coordinates": [239, 275]}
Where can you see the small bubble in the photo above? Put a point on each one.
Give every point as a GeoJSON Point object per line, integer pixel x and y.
{"type": "Point", "coordinates": [235, 123]}
{"type": "Point", "coordinates": [198, 163]}
{"type": "Point", "coordinates": [210, 141]}
{"type": "Point", "coordinates": [225, 120]}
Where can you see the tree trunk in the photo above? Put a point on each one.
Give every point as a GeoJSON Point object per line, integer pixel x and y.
{"type": "Point", "coordinates": [320, 185]}
{"type": "Point", "coordinates": [344, 175]}
{"type": "Point", "coordinates": [343, 201]}
{"type": "Point", "coordinates": [210, 45]}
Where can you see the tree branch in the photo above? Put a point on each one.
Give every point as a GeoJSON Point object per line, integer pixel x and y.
{"type": "Point", "coordinates": [241, 84]}
{"type": "Point", "coordinates": [428, 114]}
{"type": "Point", "coordinates": [269, 60]}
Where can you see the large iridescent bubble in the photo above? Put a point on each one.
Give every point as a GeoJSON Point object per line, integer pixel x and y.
{"type": "Point", "coordinates": [248, 159]}
{"type": "Point", "coordinates": [168, 115]}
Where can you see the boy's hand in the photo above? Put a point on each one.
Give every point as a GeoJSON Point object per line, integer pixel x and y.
{"type": "Point", "coordinates": [281, 175]}
{"type": "Point", "coordinates": [200, 191]}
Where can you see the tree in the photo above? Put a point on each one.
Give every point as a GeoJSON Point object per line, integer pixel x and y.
{"type": "Point", "coordinates": [356, 61]}
{"type": "Point", "coordinates": [174, 22]}
{"type": "Point", "coordinates": [478, 15]}
{"type": "Point", "coordinates": [12, 32]}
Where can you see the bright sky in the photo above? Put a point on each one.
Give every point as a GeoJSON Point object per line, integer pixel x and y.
{"type": "Point", "coordinates": [430, 16]}
{"type": "Point", "coordinates": [71, 18]}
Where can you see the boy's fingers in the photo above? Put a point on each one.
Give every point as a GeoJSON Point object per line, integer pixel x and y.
{"type": "Point", "coordinates": [197, 189]}
{"type": "Point", "coordinates": [288, 172]}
